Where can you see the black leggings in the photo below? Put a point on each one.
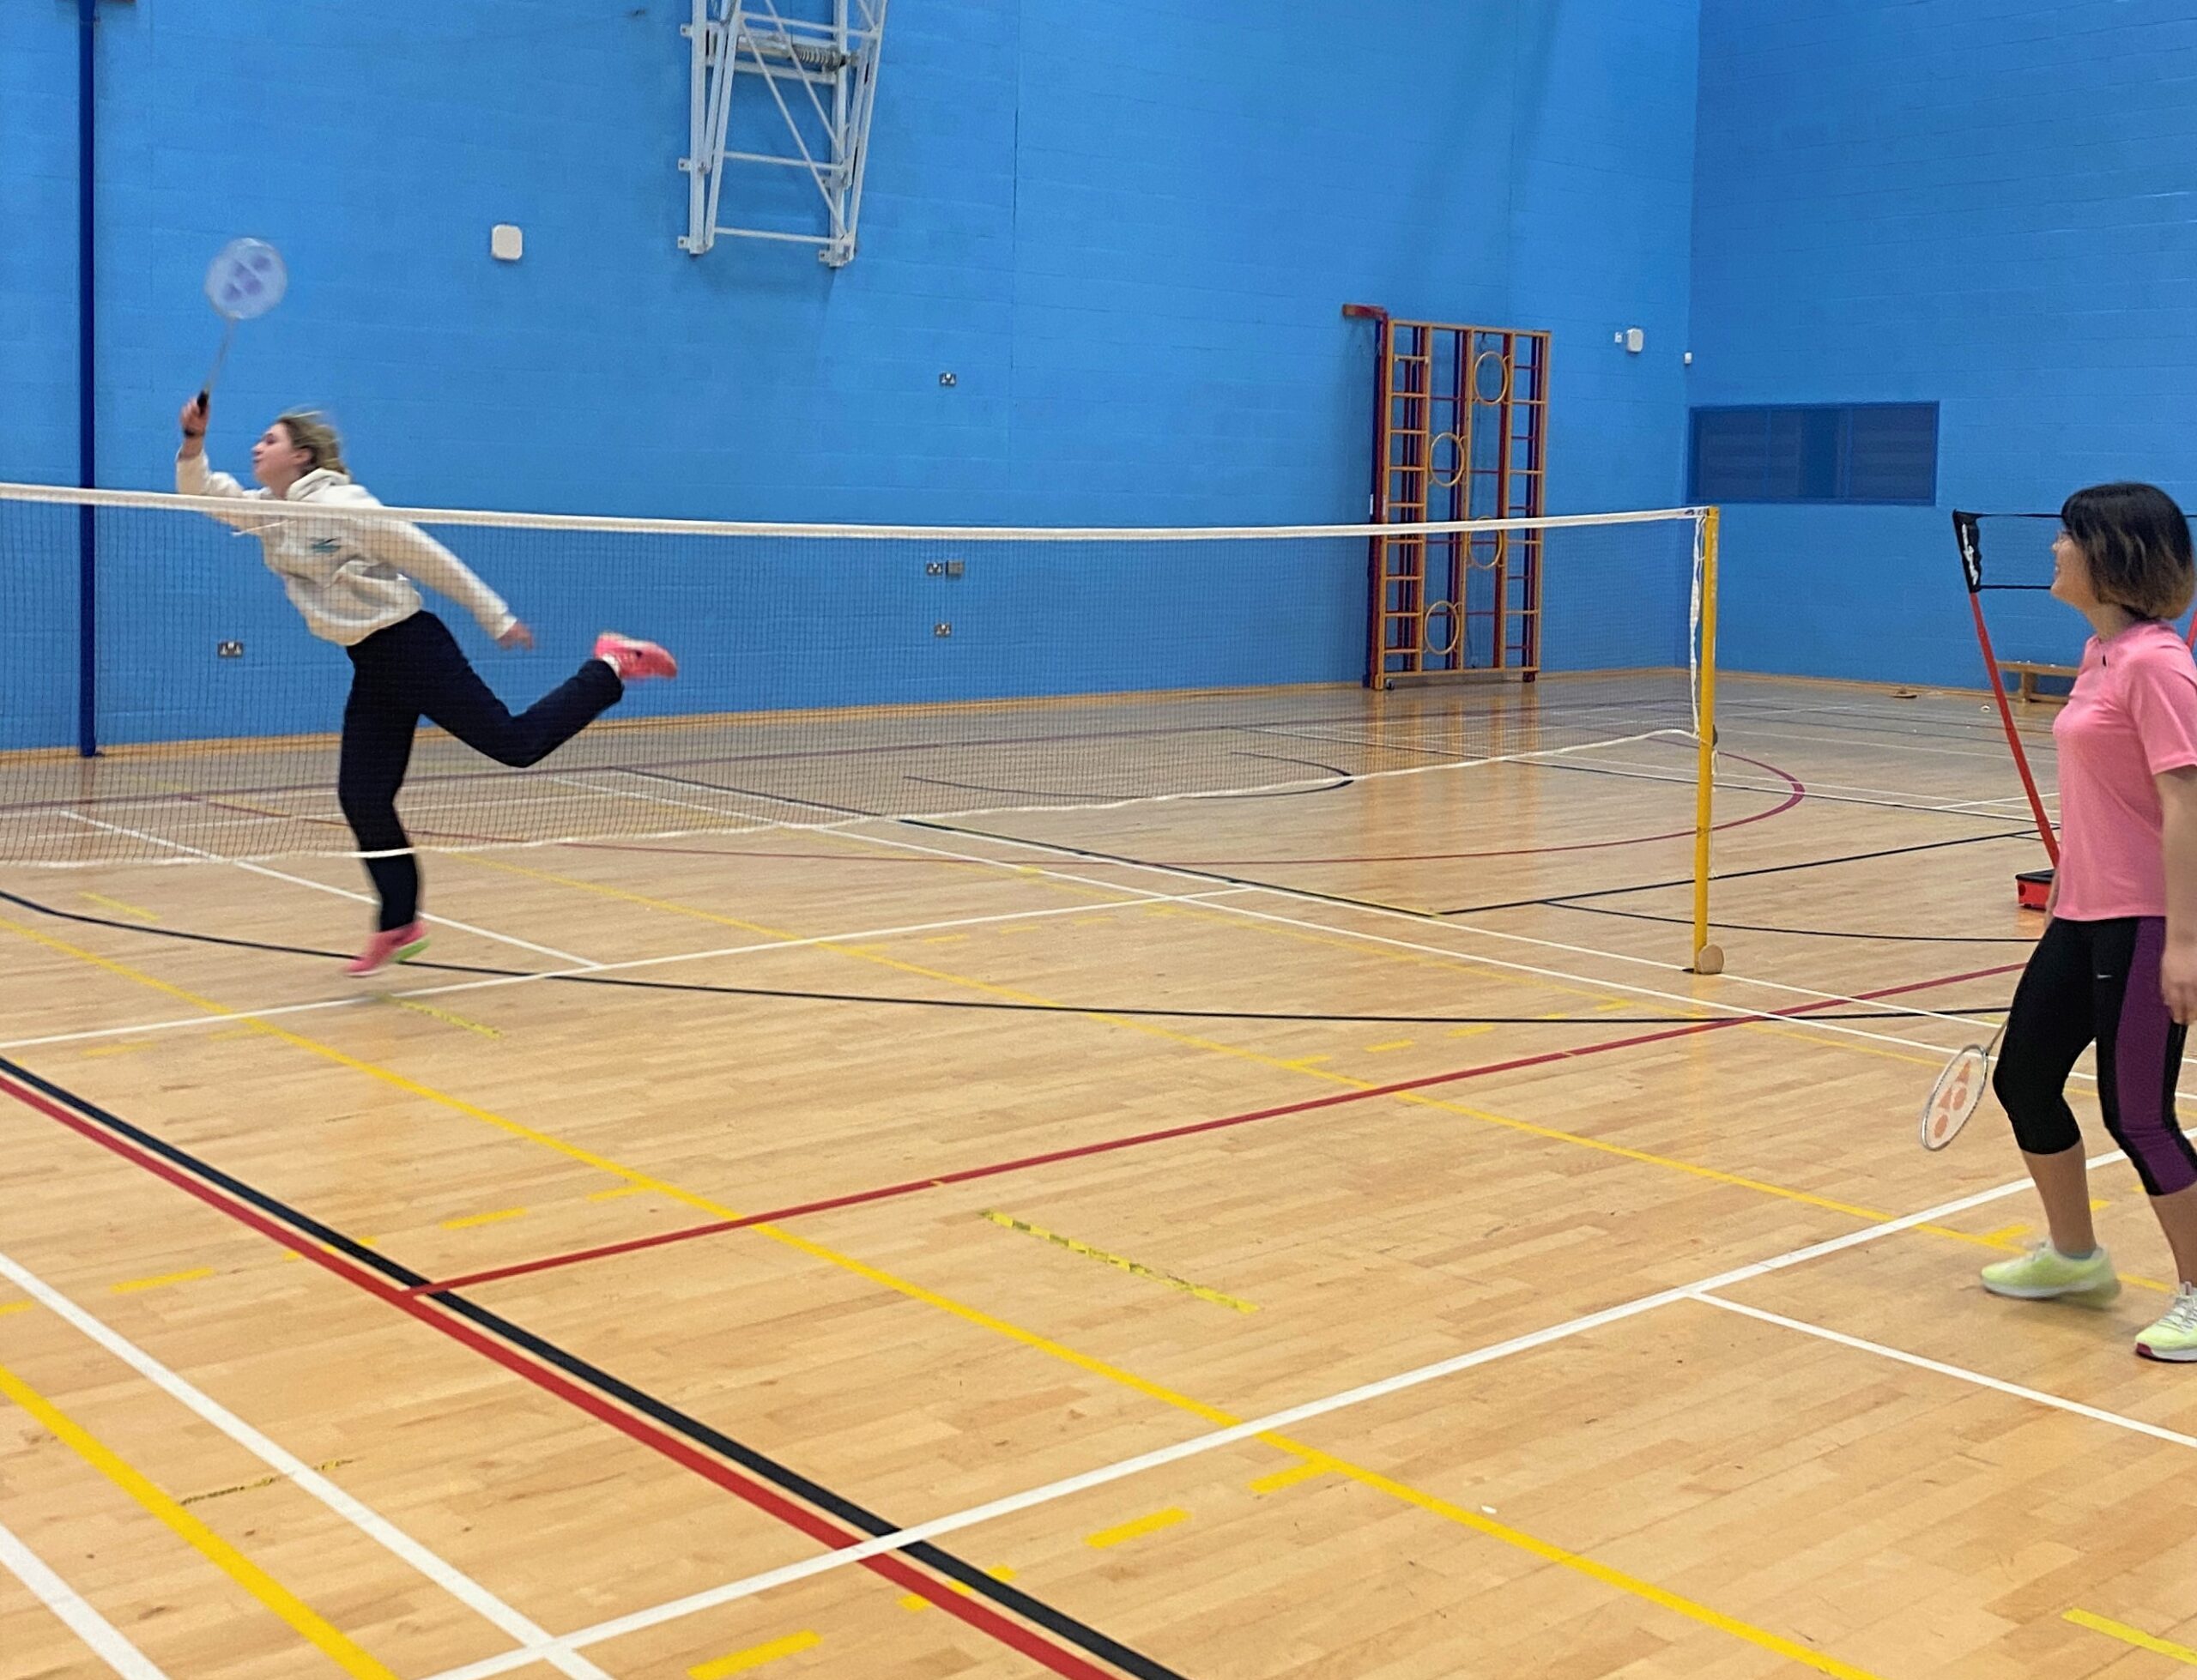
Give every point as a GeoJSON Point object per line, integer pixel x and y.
{"type": "Point", "coordinates": [415, 667]}
{"type": "Point", "coordinates": [2097, 981]}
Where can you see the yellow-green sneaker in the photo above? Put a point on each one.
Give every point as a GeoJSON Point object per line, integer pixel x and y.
{"type": "Point", "coordinates": [2044, 1274]}
{"type": "Point", "coordinates": [2175, 1337]}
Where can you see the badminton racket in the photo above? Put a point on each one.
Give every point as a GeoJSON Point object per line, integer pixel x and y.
{"type": "Point", "coordinates": [1958, 1089]}
{"type": "Point", "coordinates": [245, 280]}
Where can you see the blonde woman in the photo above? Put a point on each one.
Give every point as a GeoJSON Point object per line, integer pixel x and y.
{"type": "Point", "coordinates": [353, 580]}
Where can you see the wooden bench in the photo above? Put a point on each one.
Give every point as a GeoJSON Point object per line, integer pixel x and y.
{"type": "Point", "coordinates": [2027, 671]}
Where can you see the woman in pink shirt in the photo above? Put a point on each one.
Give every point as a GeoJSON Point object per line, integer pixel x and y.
{"type": "Point", "coordinates": [2117, 965]}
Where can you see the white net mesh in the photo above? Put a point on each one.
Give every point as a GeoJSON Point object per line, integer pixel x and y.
{"type": "Point", "coordinates": [829, 674]}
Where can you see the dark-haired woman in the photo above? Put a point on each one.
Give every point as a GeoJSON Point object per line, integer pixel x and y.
{"type": "Point", "coordinates": [2117, 965]}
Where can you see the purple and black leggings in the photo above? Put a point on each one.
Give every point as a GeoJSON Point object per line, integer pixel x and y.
{"type": "Point", "coordinates": [2097, 981]}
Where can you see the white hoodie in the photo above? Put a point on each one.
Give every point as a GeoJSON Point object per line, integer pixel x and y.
{"type": "Point", "coordinates": [350, 576]}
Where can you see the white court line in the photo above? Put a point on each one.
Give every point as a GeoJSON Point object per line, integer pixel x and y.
{"type": "Point", "coordinates": [106, 1639]}
{"type": "Point", "coordinates": [322, 886]}
{"type": "Point", "coordinates": [1196, 1445]}
{"type": "Point", "coordinates": [302, 1476]}
{"type": "Point", "coordinates": [1829, 793]}
{"type": "Point", "coordinates": [1733, 1011]}
{"type": "Point", "coordinates": [1959, 1373]}
{"type": "Point", "coordinates": [2000, 756]}
{"type": "Point", "coordinates": [275, 1011]}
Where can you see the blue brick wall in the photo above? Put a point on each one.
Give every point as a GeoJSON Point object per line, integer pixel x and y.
{"type": "Point", "coordinates": [1126, 227]}
{"type": "Point", "coordinates": [1991, 204]}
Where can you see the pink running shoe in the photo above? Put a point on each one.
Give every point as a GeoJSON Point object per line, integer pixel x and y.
{"type": "Point", "coordinates": [397, 945]}
{"type": "Point", "coordinates": [633, 658]}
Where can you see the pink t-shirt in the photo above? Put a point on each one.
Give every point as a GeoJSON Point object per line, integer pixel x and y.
{"type": "Point", "coordinates": [2133, 717]}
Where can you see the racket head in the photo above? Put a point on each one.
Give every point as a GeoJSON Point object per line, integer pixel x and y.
{"type": "Point", "coordinates": [246, 278]}
{"type": "Point", "coordinates": [1960, 1088]}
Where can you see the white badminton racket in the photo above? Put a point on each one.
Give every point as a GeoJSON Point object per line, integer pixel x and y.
{"type": "Point", "coordinates": [245, 280]}
{"type": "Point", "coordinates": [1960, 1088]}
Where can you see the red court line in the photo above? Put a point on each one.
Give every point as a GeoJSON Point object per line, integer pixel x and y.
{"type": "Point", "coordinates": [1137, 1141]}
{"type": "Point", "coordinates": [977, 1615]}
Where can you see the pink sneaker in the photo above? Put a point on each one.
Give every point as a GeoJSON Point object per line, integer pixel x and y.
{"type": "Point", "coordinates": [633, 658]}
{"type": "Point", "coordinates": [397, 945]}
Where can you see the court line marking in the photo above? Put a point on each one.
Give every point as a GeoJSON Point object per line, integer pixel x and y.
{"type": "Point", "coordinates": [1273, 1423]}
{"type": "Point", "coordinates": [1412, 1091]}
{"type": "Point", "coordinates": [1135, 1268]}
{"type": "Point", "coordinates": [739, 1662]}
{"type": "Point", "coordinates": [1959, 1373]}
{"type": "Point", "coordinates": [323, 886]}
{"type": "Point", "coordinates": [1827, 793]}
{"type": "Point", "coordinates": [292, 1469]}
{"type": "Point", "coordinates": [117, 904]}
{"type": "Point", "coordinates": [106, 1640]}
{"type": "Point", "coordinates": [302, 1620]}
{"type": "Point", "coordinates": [405, 1300]}
{"type": "Point", "coordinates": [1473, 929]}
{"type": "Point", "coordinates": [1597, 987]}
{"type": "Point", "coordinates": [799, 1505]}
{"type": "Point", "coordinates": [138, 1285]}
{"type": "Point", "coordinates": [252, 1486]}
{"type": "Point", "coordinates": [275, 1011]}
{"type": "Point", "coordinates": [1136, 1528]}
{"type": "Point", "coordinates": [2128, 1635]}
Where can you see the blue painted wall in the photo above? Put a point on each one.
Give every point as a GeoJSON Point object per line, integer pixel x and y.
{"type": "Point", "coordinates": [1126, 227]}
{"type": "Point", "coordinates": [1991, 204]}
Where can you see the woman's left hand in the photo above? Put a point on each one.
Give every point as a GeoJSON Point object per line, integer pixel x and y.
{"type": "Point", "coordinates": [2178, 980]}
{"type": "Point", "coordinates": [518, 636]}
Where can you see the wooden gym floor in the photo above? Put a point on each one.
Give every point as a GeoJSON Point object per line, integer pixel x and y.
{"type": "Point", "coordinates": [1324, 1234]}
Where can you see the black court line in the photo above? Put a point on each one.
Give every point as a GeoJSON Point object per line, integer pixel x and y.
{"type": "Point", "coordinates": [888, 1000]}
{"type": "Point", "coordinates": [1566, 899]}
{"type": "Point", "coordinates": [669, 1417]}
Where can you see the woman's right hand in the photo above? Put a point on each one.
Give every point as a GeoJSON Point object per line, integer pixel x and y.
{"type": "Point", "coordinates": [193, 420]}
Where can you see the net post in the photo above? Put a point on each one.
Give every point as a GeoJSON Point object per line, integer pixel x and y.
{"type": "Point", "coordinates": [1707, 958]}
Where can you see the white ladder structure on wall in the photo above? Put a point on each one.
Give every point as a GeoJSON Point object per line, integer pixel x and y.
{"type": "Point", "coordinates": [819, 70]}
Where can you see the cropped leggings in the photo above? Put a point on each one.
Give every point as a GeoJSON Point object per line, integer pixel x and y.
{"type": "Point", "coordinates": [2098, 981]}
{"type": "Point", "coordinates": [415, 669]}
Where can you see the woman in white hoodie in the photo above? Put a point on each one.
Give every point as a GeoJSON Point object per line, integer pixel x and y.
{"type": "Point", "coordinates": [352, 579]}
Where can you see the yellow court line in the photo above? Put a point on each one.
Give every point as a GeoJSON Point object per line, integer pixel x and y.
{"type": "Point", "coordinates": [1303, 1471]}
{"type": "Point", "coordinates": [1759, 1637]}
{"type": "Point", "coordinates": [136, 1285]}
{"type": "Point", "coordinates": [1008, 1221]}
{"type": "Point", "coordinates": [249, 1576]}
{"type": "Point", "coordinates": [1301, 1065]}
{"type": "Point", "coordinates": [916, 1601]}
{"type": "Point", "coordinates": [9, 1307]}
{"type": "Point", "coordinates": [473, 1219]}
{"type": "Point", "coordinates": [2135, 1636]}
{"type": "Point", "coordinates": [756, 1655]}
{"type": "Point", "coordinates": [1388, 1045]}
{"type": "Point", "coordinates": [1136, 1529]}
{"type": "Point", "coordinates": [447, 1018]}
{"type": "Point", "coordinates": [137, 910]}
{"type": "Point", "coordinates": [254, 1487]}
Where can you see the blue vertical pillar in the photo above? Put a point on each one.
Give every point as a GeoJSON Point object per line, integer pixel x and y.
{"type": "Point", "coordinates": [88, 740]}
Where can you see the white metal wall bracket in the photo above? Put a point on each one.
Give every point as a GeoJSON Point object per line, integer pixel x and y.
{"type": "Point", "coordinates": [820, 71]}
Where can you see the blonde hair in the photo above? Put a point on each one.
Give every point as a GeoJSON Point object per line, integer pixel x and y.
{"type": "Point", "coordinates": [310, 432]}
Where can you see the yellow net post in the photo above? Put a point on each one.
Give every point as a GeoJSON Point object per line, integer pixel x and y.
{"type": "Point", "coordinates": [1707, 958]}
